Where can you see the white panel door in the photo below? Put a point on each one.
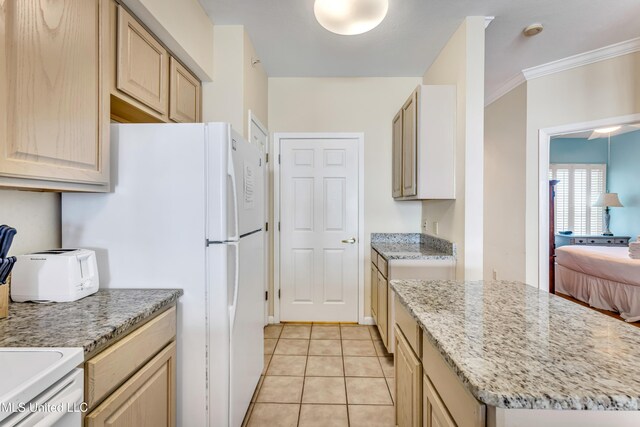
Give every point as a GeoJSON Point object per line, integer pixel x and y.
{"type": "Point", "coordinates": [259, 136]}
{"type": "Point", "coordinates": [318, 230]}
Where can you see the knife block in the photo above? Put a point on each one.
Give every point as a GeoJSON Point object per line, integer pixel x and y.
{"type": "Point", "coordinates": [4, 299]}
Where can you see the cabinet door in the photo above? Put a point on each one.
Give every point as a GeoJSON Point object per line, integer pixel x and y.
{"type": "Point", "coordinates": [397, 155]}
{"type": "Point", "coordinates": [408, 374]}
{"type": "Point", "coordinates": [146, 399]}
{"type": "Point", "coordinates": [184, 94]}
{"type": "Point", "coordinates": [434, 410]}
{"type": "Point", "coordinates": [382, 309]}
{"type": "Point", "coordinates": [374, 292]}
{"type": "Point", "coordinates": [142, 64]}
{"type": "Point", "coordinates": [54, 110]}
{"type": "Point", "coordinates": [410, 146]}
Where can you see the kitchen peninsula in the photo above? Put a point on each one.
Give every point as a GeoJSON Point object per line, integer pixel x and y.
{"type": "Point", "coordinates": [506, 354]}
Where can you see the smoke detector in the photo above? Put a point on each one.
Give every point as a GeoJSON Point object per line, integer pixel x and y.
{"type": "Point", "coordinates": [533, 29]}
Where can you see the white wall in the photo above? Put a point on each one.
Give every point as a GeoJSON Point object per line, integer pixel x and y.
{"type": "Point", "coordinates": [184, 27]}
{"type": "Point", "coordinates": [238, 86]}
{"type": "Point", "coordinates": [461, 62]}
{"type": "Point", "coordinates": [223, 99]}
{"type": "Point", "coordinates": [596, 91]}
{"type": "Point", "coordinates": [352, 105]}
{"type": "Point", "coordinates": [504, 157]}
{"type": "Point", "coordinates": [35, 215]}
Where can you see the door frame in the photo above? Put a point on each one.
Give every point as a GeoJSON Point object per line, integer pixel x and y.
{"type": "Point", "coordinates": [277, 139]}
{"type": "Point", "coordinates": [254, 120]}
{"type": "Point", "coordinates": [544, 158]}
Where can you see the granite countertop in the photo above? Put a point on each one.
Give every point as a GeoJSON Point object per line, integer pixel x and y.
{"type": "Point", "coordinates": [513, 346]}
{"type": "Point", "coordinates": [412, 246]}
{"type": "Point", "coordinates": [90, 323]}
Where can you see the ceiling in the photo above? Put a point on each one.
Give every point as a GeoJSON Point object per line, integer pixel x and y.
{"type": "Point", "coordinates": [590, 134]}
{"type": "Point", "coordinates": [291, 43]}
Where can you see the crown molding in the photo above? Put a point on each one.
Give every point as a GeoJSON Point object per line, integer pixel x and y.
{"type": "Point", "coordinates": [507, 87]}
{"type": "Point", "coordinates": [581, 59]}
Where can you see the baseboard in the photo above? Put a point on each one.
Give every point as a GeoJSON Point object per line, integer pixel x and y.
{"type": "Point", "coordinates": [368, 320]}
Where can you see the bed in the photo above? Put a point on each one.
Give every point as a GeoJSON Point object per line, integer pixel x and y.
{"type": "Point", "coordinates": [602, 276]}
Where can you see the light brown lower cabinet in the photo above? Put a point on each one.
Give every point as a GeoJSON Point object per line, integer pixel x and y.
{"type": "Point", "coordinates": [146, 399]}
{"type": "Point", "coordinates": [408, 379]}
{"type": "Point", "coordinates": [434, 411]}
{"type": "Point", "coordinates": [132, 382]}
{"type": "Point", "coordinates": [382, 309]}
{"type": "Point", "coordinates": [374, 293]}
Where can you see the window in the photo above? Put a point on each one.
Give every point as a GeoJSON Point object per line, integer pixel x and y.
{"type": "Point", "coordinates": [579, 187]}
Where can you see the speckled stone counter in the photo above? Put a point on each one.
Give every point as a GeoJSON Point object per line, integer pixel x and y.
{"type": "Point", "coordinates": [412, 246]}
{"type": "Point", "coordinates": [90, 323]}
{"type": "Point", "coordinates": [513, 346]}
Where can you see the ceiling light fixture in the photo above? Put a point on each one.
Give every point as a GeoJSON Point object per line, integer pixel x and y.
{"type": "Point", "coordinates": [533, 29]}
{"type": "Point", "coordinates": [607, 130]}
{"type": "Point", "coordinates": [350, 17]}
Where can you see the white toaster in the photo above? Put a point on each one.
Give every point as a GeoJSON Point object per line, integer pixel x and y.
{"type": "Point", "coordinates": [57, 275]}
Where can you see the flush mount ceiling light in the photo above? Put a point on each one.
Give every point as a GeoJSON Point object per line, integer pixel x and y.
{"type": "Point", "coordinates": [607, 130]}
{"type": "Point", "coordinates": [350, 17]}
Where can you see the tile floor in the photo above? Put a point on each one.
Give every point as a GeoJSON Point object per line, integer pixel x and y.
{"type": "Point", "coordinates": [323, 375]}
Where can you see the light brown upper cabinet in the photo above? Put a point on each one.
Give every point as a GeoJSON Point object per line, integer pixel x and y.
{"type": "Point", "coordinates": [409, 145]}
{"type": "Point", "coordinates": [148, 85]}
{"type": "Point", "coordinates": [184, 96]}
{"type": "Point", "coordinates": [397, 155]}
{"type": "Point", "coordinates": [142, 64]}
{"type": "Point", "coordinates": [54, 127]}
{"type": "Point", "coordinates": [424, 138]}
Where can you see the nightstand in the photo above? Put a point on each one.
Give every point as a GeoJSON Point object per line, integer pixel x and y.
{"type": "Point", "coordinates": [572, 239]}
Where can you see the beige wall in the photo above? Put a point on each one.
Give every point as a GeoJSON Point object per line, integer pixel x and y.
{"type": "Point", "coordinates": [605, 89]}
{"type": "Point", "coordinates": [35, 215]}
{"type": "Point", "coordinates": [184, 27]}
{"type": "Point", "coordinates": [223, 99]}
{"type": "Point", "coordinates": [596, 91]}
{"type": "Point", "coordinates": [238, 86]}
{"type": "Point", "coordinates": [352, 105]}
{"type": "Point", "coordinates": [504, 157]}
{"type": "Point", "coordinates": [256, 86]}
{"type": "Point", "coordinates": [461, 62]}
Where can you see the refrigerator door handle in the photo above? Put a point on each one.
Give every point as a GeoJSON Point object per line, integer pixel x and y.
{"type": "Point", "coordinates": [231, 173]}
{"type": "Point", "coordinates": [233, 284]}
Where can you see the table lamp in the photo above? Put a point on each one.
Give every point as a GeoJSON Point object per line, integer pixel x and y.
{"type": "Point", "coordinates": [606, 201]}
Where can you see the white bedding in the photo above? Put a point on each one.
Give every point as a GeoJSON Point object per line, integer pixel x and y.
{"type": "Point", "coordinates": [606, 262]}
{"type": "Point", "coordinates": [602, 276]}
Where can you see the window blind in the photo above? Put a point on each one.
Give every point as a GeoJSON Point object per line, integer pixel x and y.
{"type": "Point", "coordinates": [579, 187]}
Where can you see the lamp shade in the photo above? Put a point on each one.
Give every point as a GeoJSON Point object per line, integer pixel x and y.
{"type": "Point", "coordinates": [608, 200]}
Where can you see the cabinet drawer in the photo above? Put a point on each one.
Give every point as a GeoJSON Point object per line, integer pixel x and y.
{"type": "Point", "coordinates": [408, 325]}
{"type": "Point", "coordinates": [147, 399]}
{"type": "Point", "coordinates": [382, 266]}
{"type": "Point", "coordinates": [109, 369]}
{"type": "Point", "coordinates": [142, 64]}
{"type": "Point", "coordinates": [374, 257]}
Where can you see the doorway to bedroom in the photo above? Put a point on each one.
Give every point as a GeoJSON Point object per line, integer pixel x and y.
{"type": "Point", "coordinates": [593, 214]}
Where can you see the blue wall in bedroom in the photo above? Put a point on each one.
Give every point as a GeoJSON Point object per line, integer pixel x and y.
{"type": "Point", "coordinates": [623, 173]}
{"type": "Point", "coordinates": [578, 150]}
{"type": "Point", "coordinates": [624, 178]}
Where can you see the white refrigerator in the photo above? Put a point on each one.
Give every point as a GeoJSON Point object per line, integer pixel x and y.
{"type": "Point", "coordinates": [186, 211]}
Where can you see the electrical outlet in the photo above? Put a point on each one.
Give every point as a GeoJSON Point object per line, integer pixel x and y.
{"type": "Point", "coordinates": [425, 226]}
{"type": "Point", "coordinates": [435, 228]}
{"type": "Point", "coordinates": [495, 275]}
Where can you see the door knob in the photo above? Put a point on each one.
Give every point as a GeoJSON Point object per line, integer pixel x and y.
{"type": "Point", "coordinates": [350, 241]}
